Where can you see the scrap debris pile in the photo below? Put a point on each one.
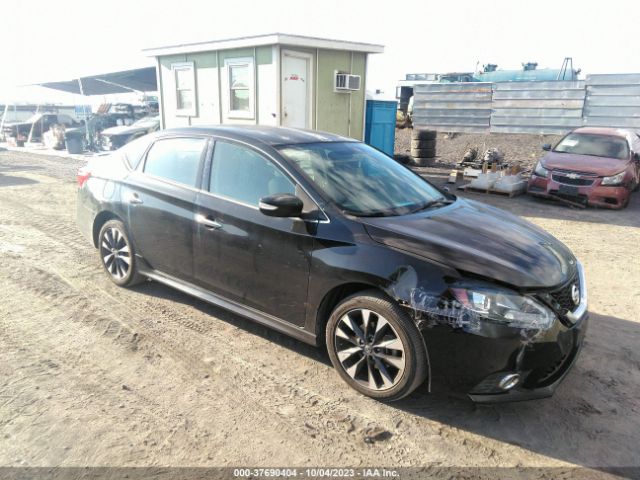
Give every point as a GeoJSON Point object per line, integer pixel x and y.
{"type": "Point", "coordinates": [490, 156]}
{"type": "Point", "coordinates": [509, 181]}
{"type": "Point", "coordinates": [518, 149]}
{"type": "Point", "coordinates": [490, 173]}
{"type": "Point", "coordinates": [59, 130]}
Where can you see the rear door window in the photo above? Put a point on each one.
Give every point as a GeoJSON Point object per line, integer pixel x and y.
{"type": "Point", "coordinates": [243, 175]}
{"type": "Point", "coordinates": [134, 151]}
{"type": "Point", "coordinates": [176, 159]}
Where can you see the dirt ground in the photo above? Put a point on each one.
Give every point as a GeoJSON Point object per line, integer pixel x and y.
{"type": "Point", "coordinates": [95, 375]}
{"type": "Point", "coordinates": [523, 150]}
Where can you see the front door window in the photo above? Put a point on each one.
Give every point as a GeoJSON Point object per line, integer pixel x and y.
{"type": "Point", "coordinates": [243, 175]}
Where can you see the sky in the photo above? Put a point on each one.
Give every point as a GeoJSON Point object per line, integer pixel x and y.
{"type": "Point", "coordinates": [49, 41]}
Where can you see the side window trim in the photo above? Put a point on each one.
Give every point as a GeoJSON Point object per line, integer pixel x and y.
{"type": "Point", "coordinates": [205, 165]}
{"type": "Point", "coordinates": [203, 156]}
{"type": "Point", "coordinates": [141, 159]}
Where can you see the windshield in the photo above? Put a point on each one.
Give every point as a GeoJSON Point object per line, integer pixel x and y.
{"type": "Point", "coordinates": [34, 118]}
{"type": "Point", "coordinates": [146, 122]}
{"type": "Point", "coordinates": [362, 181]}
{"type": "Point", "coordinates": [595, 145]}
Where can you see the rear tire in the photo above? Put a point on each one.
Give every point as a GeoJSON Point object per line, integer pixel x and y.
{"type": "Point", "coordinates": [423, 152]}
{"type": "Point", "coordinates": [423, 162]}
{"type": "Point", "coordinates": [423, 134]}
{"type": "Point", "coordinates": [375, 347]}
{"type": "Point", "coordinates": [117, 255]}
{"type": "Point", "coordinates": [423, 144]}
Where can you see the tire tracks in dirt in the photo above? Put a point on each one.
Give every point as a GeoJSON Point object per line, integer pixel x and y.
{"type": "Point", "coordinates": [216, 388]}
{"type": "Point", "coordinates": [311, 409]}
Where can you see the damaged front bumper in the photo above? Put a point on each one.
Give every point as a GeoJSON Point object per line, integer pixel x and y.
{"type": "Point", "coordinates": [595, 194]}
{"type": "Point", "coordinates": [494, 363]}
{"type": "Point", "coordinates": [476, 365]}
{"type": "Point", "coordinates": [543, 377]}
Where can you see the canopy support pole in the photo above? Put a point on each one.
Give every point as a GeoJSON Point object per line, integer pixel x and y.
{"type": "Point", "coordinates": [4, 117]}
{"type": "Point", "coordinates": [33, 125]}
{"type": "Point", "coordinates": [84, 114]}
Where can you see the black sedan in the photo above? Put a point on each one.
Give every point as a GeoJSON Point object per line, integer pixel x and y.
{"type": "Point", "coordinates": [115, 137]}
{"type": "Point", "coordinates": [332, 242]}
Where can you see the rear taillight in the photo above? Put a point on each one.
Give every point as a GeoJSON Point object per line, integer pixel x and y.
{"type": "Point", "coordinates": [83, 175]}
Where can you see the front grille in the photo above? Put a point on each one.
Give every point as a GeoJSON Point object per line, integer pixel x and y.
{"type": "Point", "coordinates": [562, 171]}
{"type": "Point", "coordinates": [581, 199]}
{"type": "Point", "coordinates": [563, 298]}
{"type": "Point", "coordinates": [581, 182]}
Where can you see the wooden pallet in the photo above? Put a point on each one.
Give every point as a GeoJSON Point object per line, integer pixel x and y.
{"type": "Point", "coordinates": [468, 188]}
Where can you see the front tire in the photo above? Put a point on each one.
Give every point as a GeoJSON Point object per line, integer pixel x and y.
{"type": "Point", "coordinates": [117, 255]}
{"type": "Point", "coordinates": [375, 347]}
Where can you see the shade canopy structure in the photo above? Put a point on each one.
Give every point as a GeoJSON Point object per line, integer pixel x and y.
{"type": "Point", "coordinates": [137, 80]}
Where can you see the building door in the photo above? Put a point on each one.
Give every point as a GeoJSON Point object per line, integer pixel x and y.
{"type": "Point", "coordinates": [296, 89]}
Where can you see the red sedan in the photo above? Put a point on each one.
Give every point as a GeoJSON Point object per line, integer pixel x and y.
{"type": "Point", "coordinates": [590, 166]}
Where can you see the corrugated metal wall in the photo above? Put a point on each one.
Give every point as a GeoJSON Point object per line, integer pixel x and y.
{"type": "Point", "coordinates": [529, 107]}
{"type": "Point", "coordinates": [613, 101]}
{"type": "Point", "coordinates": [537, 107]}
{"type": "Point", "coordinates": [453, 107]}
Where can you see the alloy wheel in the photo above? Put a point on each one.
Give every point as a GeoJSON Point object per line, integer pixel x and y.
{"type": "Point", "coordinates": [370, 349]}
{"type": "Point", "coordinates": [115, 253]}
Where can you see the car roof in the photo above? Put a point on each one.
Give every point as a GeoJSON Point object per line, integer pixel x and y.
{"type": "Point", "coordinates": [612, 132]}
{"type": "Point", "coordinates": [260, 134]}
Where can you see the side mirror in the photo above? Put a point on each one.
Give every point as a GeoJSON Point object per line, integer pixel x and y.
{"type": "Point", "coordinates": [546, 147]}
{"type": "Point", "coordinates": [636, 157]}
{"type": "Point", "coordinates": [281, 205]}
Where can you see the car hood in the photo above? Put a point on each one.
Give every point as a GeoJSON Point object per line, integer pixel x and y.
{"type": "Point", "coordinates": [479, 239]}
{"type": "Point", "coordinates": [122, 130]}
{"type": "Point", "coordinates": [602, 166]}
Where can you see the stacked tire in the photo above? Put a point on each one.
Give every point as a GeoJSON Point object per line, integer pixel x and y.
{"type": "Point", "coordinates": [423, 147]}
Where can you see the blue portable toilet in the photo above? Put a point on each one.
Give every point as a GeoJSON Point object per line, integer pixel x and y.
{"type": "Point", "coordinates": [380, 125]}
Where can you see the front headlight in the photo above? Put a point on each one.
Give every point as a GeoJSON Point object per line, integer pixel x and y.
{"type": "Point", "coordinates": [541, 171]}
{"type": "Point", "coordinates": [505, 306]}
{"type": "Point", "coordinates": [614, 179]}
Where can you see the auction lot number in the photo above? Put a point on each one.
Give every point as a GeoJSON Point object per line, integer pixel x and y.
{"type": "Point", "coordinates": [315, 472]}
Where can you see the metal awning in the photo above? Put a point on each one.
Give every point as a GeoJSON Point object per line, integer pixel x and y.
{"type": "Point", "coordinates": [137, 80]}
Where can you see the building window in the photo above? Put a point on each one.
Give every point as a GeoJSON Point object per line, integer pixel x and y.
{"type": "Point", "coordinates": [185, 82]}
{"type": "Point", "coordinates": [241, 87]}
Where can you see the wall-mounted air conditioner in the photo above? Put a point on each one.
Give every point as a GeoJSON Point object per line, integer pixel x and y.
{"type": "Point", "coordinates": [345, 82]}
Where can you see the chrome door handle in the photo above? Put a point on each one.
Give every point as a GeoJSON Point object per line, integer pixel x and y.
{"type": "Point", "coordinates": [207, 222]}
{"type": "Point", "coordinates": [134, 199]}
